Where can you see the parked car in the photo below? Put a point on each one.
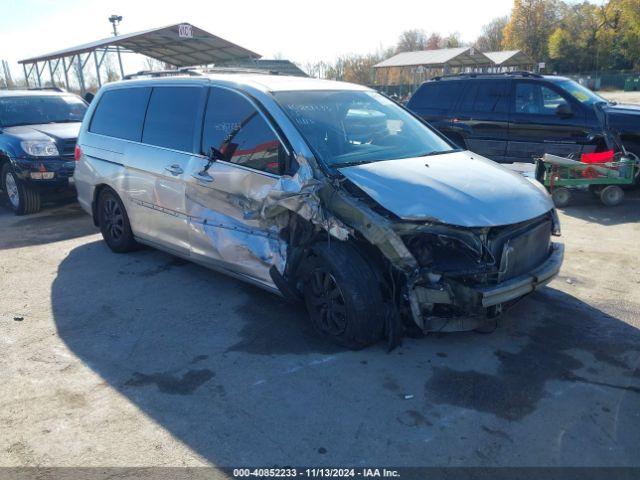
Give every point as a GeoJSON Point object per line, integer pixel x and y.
{"type": "Point", "coordinates": [277, 181]}
{"type": "Point", "coordinates": [518, 117]}
{"type": "Point", "coordinates": [38, 131]}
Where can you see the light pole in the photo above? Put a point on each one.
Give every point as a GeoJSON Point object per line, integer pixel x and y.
{"type": "Point", "coordinates": [115, 20]}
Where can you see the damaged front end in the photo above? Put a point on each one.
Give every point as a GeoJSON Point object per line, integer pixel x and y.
{"type": "Point", "coordinates": [468, 275]}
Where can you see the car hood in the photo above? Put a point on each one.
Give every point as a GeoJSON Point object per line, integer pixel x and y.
{"type": "Point", "coordinates": [46, 131]}
{"type": "Point", "coordinates": [622, 108]}
{"type": "Point", "coordinates": [457, 188]}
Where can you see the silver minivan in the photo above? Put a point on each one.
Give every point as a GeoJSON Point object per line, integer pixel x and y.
{"type": "Point", "coordinates": [324, 192]}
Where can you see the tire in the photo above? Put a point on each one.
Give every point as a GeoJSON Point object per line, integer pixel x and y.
{"type": "Point", "coordinates": [561, 196]}
{"type": "Point", "coordinates": [612, 195]}
{"type": "Point", "coordinates": [114, 223]}
{"type": "Point", "coordinates": [343, 296]}
{"type": "Point", "coordinates": [22, 199]}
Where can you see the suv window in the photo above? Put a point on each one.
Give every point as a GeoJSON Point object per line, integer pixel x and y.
{"type": "Point", "coordinates": [486, 96]}
{"type": "Point", "coordinates": [536, 98]}
{"type": "Point", "coordinates": [120, 113]}
{"type": "Point", "coordinates": [233, 126]}
{"type": "Point", "coordinates": [172, 116]}
{"type": "Point", "coordinates": [438, 95]}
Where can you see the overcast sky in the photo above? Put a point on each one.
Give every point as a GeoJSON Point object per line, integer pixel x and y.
{"type": "Point", "coordinates": [299, 30]}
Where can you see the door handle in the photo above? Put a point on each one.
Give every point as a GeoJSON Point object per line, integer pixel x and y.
{"type": "Point", "coordinates": [175, 169]}
{"type": "Point", "coordinates": [203, 177]}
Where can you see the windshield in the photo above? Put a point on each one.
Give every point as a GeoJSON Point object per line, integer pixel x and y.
{"type": "Point", "coordinates": [36, 109]}
{"type": "Point", "coordinates": [580, 93]}
{"type": "Point", "coordinates": [351, 127]}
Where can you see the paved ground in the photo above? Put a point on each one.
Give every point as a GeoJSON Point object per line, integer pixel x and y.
{"type": "Point", "coordinates": [144, 359]}
{"type": "Point", "coordinates": [622, 97]}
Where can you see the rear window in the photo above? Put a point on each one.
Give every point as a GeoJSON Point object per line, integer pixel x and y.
{"type": "Point", "coordinates": [120, 113]}
{"type": "Point", "coordinates": [436, 96]}
{"type": "Point", "coordinates": [486, 96]}
{"type": "Point", "coordinates": [172, 116]}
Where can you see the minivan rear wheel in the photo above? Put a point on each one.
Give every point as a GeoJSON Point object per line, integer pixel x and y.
{"type": "Point", "coordinates": [114, 223]}
{"type": "Point", "coordinates": [342, 295]}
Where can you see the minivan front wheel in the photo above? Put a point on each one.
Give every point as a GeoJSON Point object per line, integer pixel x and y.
{"type": "Point", "coordinates": [342, 295]}
{"type": "Point", "coordinates": [114, 223]}
{"type": "Point", "coordinates": [22, 199]}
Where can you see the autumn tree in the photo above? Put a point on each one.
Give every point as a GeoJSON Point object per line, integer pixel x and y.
{"type": "Point", "coordinates": [531, 24]}
{"type": "Point", "coordinates": [490, 39]}
{"type": "Point", "coordinates": [411, 40]}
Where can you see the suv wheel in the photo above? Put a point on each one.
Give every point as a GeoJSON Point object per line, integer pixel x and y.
{"type": "Point", "coordinates": [342, 295]}
{"type": "Point", "coordinates": [22, 199]}
{"type": "Point", "coordinates": [114, 223]}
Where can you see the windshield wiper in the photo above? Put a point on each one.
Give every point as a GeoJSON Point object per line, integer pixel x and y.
{"type": "Point", "coordinates": [441, 152]}
{"type": "Point", "coordinates": [351, 164]}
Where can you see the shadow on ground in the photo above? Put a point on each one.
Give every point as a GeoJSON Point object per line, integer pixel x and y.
{"type": "Point", "coordinates": [63, 220]}
{"type": "Point", "coordinates": [238, 375]}
{"type": "Point", "coordinates": [586, 206]}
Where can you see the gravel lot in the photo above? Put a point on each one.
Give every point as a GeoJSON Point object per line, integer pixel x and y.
{"type": "Point", "coordinates": [144, 359]}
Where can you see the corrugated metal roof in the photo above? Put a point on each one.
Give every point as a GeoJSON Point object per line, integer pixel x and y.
{"type": "Point", "coordinates": [508, 58]}
{"type": "Point", "coordinates": [454, 57]}
{"type": "Point", "coordinates": [166, 44]}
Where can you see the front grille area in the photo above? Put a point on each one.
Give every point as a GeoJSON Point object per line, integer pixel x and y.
{"type": "Point", "coordinates": [525, 251]}
{"type": "Point", "coordinates": [484, 256]}
{"type": "Point", "coordinates": [66, 148]}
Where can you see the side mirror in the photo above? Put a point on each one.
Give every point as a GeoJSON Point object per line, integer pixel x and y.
{"type": "Point", "coordinates": [88, 97]}
{"type": "Point", "coordinates": [214, 155]}
{"type": "Point", "coordinates": [564, 110]}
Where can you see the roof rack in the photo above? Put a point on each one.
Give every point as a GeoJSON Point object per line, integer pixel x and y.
{"type": "Point", "coordinates": [197, 71]}
{"type": "Point", "coordinates": [163, 73]}
{"type": "Point", "coordinates": [53, 89]}
{"type": "Point", "coordinates": [521, 73]}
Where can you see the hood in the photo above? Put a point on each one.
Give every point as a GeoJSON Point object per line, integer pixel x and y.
{"type": "Point", "coordinates": [56, 131]}
{"type": "Point", "coordinates": [457, 188]}
{"type": "Point", "coordinates": [622, 109]}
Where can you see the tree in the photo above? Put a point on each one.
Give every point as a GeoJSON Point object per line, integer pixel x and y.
{"type": "Point", "coordinates": [452, 41]}
{"type": "Point", "coordinates": [411, 40]}
{"type": "Point", "coordinates": [531, 24]}
{"type": "Point", "coordinates": [434, 42]}
{"type": "Point", "coordinates": [490, 40]}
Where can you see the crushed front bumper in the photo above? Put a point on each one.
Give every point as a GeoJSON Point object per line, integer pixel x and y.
{"type": "Point", "coordinates": [524, 284]}
{"type": "Point", "coordinates": [479, 302]}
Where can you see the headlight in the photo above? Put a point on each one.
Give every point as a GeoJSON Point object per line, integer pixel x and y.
{"type": "Point", "coordinates": [40, 148]}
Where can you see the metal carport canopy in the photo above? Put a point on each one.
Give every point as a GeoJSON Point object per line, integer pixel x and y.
{"type": "Point", "coordinates": [452, 57]}
{"type": "Point", "coordinates": [181, 45]}
{"type": "Point", "coordinates": [508, 58]}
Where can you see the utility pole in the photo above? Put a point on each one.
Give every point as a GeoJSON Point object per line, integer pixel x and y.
{"type": "Point", "coordinates": [115, 20]}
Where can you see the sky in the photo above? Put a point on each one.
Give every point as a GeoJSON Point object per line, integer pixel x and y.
{"type": "Point", "coordinates": [298, 30]}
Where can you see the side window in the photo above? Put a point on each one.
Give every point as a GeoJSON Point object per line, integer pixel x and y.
{"type": "Point", "coordinates": [233, 126]}
{"type": "Point", "coordinates": [486, 97]}
{"type": "Point", "coordinates": [120, 113]}
{"type": "Point", "coordinates": [439, 95]}
{"type": "Point", "coordinates": [550, 100]}
{"type": "Point", "coordinates": [536, 99]}
{"type": "Point", "coordinates": [172, 117]}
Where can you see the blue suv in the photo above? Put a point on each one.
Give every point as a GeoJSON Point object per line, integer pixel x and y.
{"type": "Point", "coordinates": [38, 132]}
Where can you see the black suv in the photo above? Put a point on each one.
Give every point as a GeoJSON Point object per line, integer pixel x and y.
{"type": "Point", "coordinates": [518, 116]}
{"type": "Point", "coordinates": [38, 132]}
